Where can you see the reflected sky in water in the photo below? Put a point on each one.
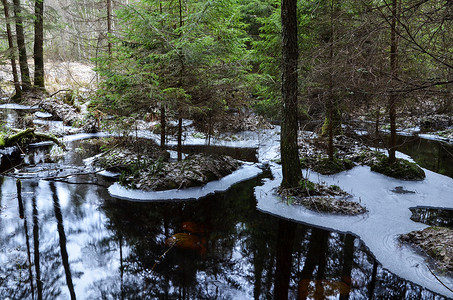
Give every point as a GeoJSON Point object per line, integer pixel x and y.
{"type": "Point", "coordinates": [76, 241]}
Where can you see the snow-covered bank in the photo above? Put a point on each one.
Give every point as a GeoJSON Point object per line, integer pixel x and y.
{"type": "Point", "coordinates": [388, 216]}
{"type": "Point", "coordinates": [244, 173]}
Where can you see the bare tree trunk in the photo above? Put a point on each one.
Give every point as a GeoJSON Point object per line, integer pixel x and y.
{"type": "Point", "coordinates": [23, 64]}
{"type": "Point", "coordinates": [109, 25]}
{"type": "Point", "coordinates": [180, 85]}
{"type": "Point", "coordinates": [11, 49]}
{"type": "Point", "coordinates": [393, 97]}
{"type": "Point", "coordinates": [38, 50]}
{"type": "Point", "coordinates": [179, 147]}
{"type": "Point", "coordinates": [332, 103]}
{"type": "Point", "coordinates": [288, 140]}
{"type": "Point", "coordinates": [162, 125]}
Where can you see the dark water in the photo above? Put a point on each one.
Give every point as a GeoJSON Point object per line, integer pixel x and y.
{"type": "Point", "coordinates": [436, 156]}
{"type": "Point", "coordinates": [75, 241]}
{"type": "Point", "coordinates": [244, 153]}
{"type": "Point", "coordinates": [433, 216]}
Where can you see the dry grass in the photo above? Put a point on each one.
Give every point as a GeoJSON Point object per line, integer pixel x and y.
{"type": "Point", "coordinates": [58, 76]}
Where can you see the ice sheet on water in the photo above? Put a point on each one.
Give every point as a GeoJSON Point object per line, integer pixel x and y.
{"type": "Point", "coordinates": [388, 215]}
{"type": "Point", "coordinates": [84, 136]}
{"type": "Point", "coordinates": [17, 106]}
{"type": "Point", "coordinates": [43, 115]}
{"type": "Point", "coordinates": [434, 137]}
{"type": "Point", "coordinates": [244, 173]}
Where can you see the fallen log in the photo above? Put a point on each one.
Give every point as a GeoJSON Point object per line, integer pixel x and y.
{"type": "Point", "coordinates": [13, 139]}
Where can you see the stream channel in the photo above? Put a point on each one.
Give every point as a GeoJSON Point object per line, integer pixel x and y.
{"type": "Point", "coordinates": [71, 239]}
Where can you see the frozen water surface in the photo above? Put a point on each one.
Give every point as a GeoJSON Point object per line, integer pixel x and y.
{"type": "Point", "coordinates": [17, 106]}
{"type": "Point", "coordinates": [388, 216]}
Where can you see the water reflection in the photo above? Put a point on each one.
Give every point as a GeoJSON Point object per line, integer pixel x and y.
{"type": "Point", "coordinates": [62, 238]}
{"type": "Point", "coordinates": [87, 245]}
{"type": "Point", "coordinates": [432, 155]}
{"type": "Point", "coordinates": [37, 262]}
{"type": "Point", "coordinates": [433, 216]}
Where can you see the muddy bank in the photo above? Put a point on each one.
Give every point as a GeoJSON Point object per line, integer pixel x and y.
{"type": "Point", "coordinates": [435, 242]}
{"type": "Point", "coordinates": [321, 198]}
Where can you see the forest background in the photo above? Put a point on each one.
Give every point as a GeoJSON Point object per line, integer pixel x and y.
{"type": "Point", "coordinates": [382, 60]}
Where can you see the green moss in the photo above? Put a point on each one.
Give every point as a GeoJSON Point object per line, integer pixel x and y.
{"type": "Point", "coordinates": [400, 169]}
{"type": "Point", "coordinates": [307, 185]}
{"type": "Point", "coordinates": [335, 187]}
{"type": "Point", "coordinates": [277, 161]}
{"type": "Point", "coordinates": [304, 163]}
{"type": "Point", "coordinates": [331, 166]}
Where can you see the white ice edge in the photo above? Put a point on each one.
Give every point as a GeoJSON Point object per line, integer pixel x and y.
{"type": "Point", "coordinates": [84, 136]}
{"type": "Point", "coordinates": [17, 106]}
{"type": "Point", "coordinates": [242, 174]}
{"type": "Point", "coordinates": [40, 114]}
{"type": "Point", "coordinates": [71, 138]}
{"type": "Point", "coordinates": [388, 216]}
{"type": "Point", "coordinates": [434, 137]}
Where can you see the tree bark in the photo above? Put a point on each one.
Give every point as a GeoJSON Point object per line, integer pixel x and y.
{"type": "Point", "coordinates": [11, 140]}
{"type": "Point", "coordinates": [288, 140]}
{"type": "Point", "coordinates": [38, 50]}
{"type": "Point", "coordinates": [179, 147]}
{"type": "Point", "coordinates": [109, 25]}
{"type": "Point", "coordinates": [20, 36]}
{"type": "Point", "coordinates": [393, 97]}
{"type": "Point", "coordinates": [332, 100]}
{"type": "Point", "coordinates": [11, 49]}
{"type": "Point", "coordinates": [162, 125]}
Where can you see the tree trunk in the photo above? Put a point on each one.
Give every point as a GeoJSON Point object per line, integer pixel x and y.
{"type": "Point", "coordinates": [393, 97]}
{"type": "Point", "coordinates": [331, 102]}
{"type": "Point", "coordinates": [11, 49]}
{"type": "Point", "coordinates": [38, 50]}
{"type": "Point", "coordinates": [162, 126]}
{"type": "Point", "coordinates": [330, 126]}
{"type": "Point", "coordinates": [288, 140]}
{"type": "Point", "coordinates": [179, 147]}
{"type": "Point", "coordinates": [109, 25]}
{"type": "Point", "coordinates": [20, 36]}
{"type": "Point", "coordinates": [13, 139]}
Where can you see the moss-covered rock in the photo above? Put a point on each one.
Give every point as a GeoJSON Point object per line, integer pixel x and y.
{"type": "Point", "coordinates": [400, 169]}
{"type": "Point", "coordinates": [328, 166]}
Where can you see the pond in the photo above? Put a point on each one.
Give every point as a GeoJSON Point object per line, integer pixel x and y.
{"type": "Point", "coordinates": [70, 239]}
{"type": "Point", "coordinates": [436, 156]}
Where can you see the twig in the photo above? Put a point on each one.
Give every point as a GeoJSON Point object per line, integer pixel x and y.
{"type": "Point", "coordinates": [439, 280]}
{"type": "Point", "coordinates": [66, 90]}
{"type": "Point", "coordinates": [87, 183]}
{"type": "Point", "coordinates": [158, 259]}
{"type": "Point", "coordinates": [72, 174]}
{"type": "Point", "coordinates": [12, 168]}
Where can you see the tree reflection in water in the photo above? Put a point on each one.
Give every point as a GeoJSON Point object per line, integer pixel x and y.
{"type": "Point", "coordinates": [90, 246]}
